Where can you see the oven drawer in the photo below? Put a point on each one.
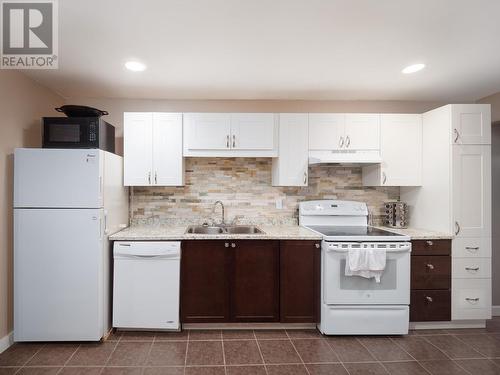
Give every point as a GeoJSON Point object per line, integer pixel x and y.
{"type": "Point", "coordinates": [431, 247]}
{"type": "Point", "coordinates": [430, 305]}
{"type": "Point", "coordinates": [431, 272]}
{"type": "Point", "coordinates": [472, 268]}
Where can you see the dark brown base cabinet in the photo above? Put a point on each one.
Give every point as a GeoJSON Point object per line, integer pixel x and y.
{"type": "Point", "coordinates": [250, 281]}
{"type": "Point", "coordinates": [430, 281]}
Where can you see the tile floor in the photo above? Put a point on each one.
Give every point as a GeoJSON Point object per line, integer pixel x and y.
{"type": "Point", "coordinates": [274, 352]}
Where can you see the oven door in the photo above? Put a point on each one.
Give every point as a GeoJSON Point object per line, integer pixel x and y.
{"type": "Point", "coordinates": [66, 132]}
{"type": "Point", "coordinates": [394, 286]}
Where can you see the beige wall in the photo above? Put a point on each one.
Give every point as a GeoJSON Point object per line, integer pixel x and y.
{"type": "Point", "coordinates": [494, 100]}
{"type": "Point", "coordinates": [22, 103]}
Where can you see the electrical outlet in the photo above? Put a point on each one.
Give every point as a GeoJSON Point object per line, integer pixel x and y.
{"type": "Point", "coordinates": [279, 203]}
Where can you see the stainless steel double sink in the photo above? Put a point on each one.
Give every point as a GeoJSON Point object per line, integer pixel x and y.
{"type": "Point", "coordinates": [223, 229]}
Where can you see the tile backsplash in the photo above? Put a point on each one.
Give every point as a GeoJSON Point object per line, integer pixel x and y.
{"type": "Point", "coordinates": [244, 186]}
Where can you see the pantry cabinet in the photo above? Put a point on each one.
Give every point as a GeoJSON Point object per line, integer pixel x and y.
{"type": "Point", "coordinates": [471, 124]}
{"type": "Point", "coordinates": [230, 134]}
{"type": "Point", "coordinates": [400, 150]}
{"type": "Point", "coordinates": [290, 168]}
{"type": "Point", "coordinates": [153, 149]}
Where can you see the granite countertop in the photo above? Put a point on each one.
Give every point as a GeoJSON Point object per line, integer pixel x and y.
{"type": "Point", "coordinates": [167, 232]}
{"type": "Point", "coordinates": [419, 234]}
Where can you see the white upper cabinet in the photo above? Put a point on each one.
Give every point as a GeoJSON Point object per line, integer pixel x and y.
{"type": "Point", "coordinates": [137, 148]}
{"type": "Point", "coordinates": [153, 149]}
{"type": "Point", "coordinates": [401, 152]}
{"type": "Point", "coordinates": [326, 131]}
{"type": "Point", "coordinates": [230, 134]}
{"type": "Point", "coordinates": [471, 124]}
{"type": "Point", "coordinates": [207, 131]}
{"type": "Point", "coordinates": [472, 190]}
{"type": "Point", "coordinates": [362, 131]}
{"type": "Point", "coordinates": [290, 168]}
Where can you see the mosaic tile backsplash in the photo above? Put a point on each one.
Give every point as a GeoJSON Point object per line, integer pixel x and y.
{"type": "Point", "coordinates": [244, 186]}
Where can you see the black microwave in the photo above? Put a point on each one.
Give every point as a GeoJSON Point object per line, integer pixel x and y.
{"type": "Point", "coordinates": [78, 132]}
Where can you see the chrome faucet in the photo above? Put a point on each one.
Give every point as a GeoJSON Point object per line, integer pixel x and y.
{"type": "Point", "coordinates": [223, 222]}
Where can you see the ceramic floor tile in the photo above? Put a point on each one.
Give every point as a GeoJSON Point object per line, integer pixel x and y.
{"type": "Point", "coordinates": [493, 325]}
{"type": "Point", "coordinates": [484, 344]}
{"type": "Point", "coordinates": [19, 354]}
{"type": "Point", "coordinates": [81, 371]}
{"type": "Point", "coordinates": [92, 354]}
{"type": "Point", "coordinates": [8, 370]}
{"type": "Point", "coordinates": [204, 353]}
{"type": "Point", "coordinates": [130, 354]}
{"type": "Point", "coordinates": [453, 347]}
{"type": "Point", "coordinates": [315, 351]}
{"type": "Point", "coordinates": [405, 368]}
{"type": "Point", "coordinates": [122, 371]}
{"type": "Point", "coordinates": [365, 369]}
{"type": "Point", "coordinates": [349, 349]}
{"type": "Point", "coordinates": [270, 334]}
{"type": "Point", "coordinates": [443, 367]}
{"type": "Point", "coordinates": [219, 370]}
{"type": "Point", "coordinates": [326, 369]}
{"type": "Point", "coordinates": [428, 332]}
{"type": "Point", "coordinates": [238, 334]}
{"type": "Point", "coordinates": [278, 351]}
{"type": "Point", "coordinates": [286, 370]}
{"type": "Point", "coordinates": [419, 348]}
{"type": "Point", "coordinates": [53, 355]}
{"type": "Point", "coordinates": [168, 353]}
{"type": "Point", "coordinates": [384, 349]}
{"type": "Point", "coordinates": [304, 334]}
{"type": "Point", "coordinates": [245, 352]}
{"type": "Point", "coordinates": [205, 335]}
{"type": "Point", "coordinates": [172, 336]}
{"type": "Point", "coordinates": [39, 371]}
{"type": "Point", "coordinates": [163, 371]}
{"type": "Point", "coordinates": [114, 336]}
{"type": "Point", "coordinates": [245, 370]}
{"type": "Point", "coordinates": [137, 336]}
{"type": "Point", "coordinates": [479, 366]}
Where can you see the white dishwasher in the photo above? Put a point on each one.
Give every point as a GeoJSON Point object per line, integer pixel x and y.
{"type": "Point", "coordinates": [146, 285]}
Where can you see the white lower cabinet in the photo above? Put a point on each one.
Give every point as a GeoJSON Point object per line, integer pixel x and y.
{"type": "Point", "coordinates": [471, 299]}
{"type": "Point", "coordinates": [290, 168]}
{"type": "Point", "coordinates": [153, 149]}
{"type": "Point", "coordinates": [400, 150]}
{"type": "Point", "coordinates": [471, 247]}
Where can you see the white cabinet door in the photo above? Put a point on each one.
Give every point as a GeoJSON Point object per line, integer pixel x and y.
{"type": "Point", "coordinates": [207, 131]}
{"type": "Point", "coordinates": [471, 124]}
{"type": "Point", "coordinates": [326, 131]}
{"type": "Point", "coordinates": [138, 148]}
{"type": "Point", "coordinates": [472, 190]}
{"type": "Point", "coordinates": [290, 168]}
{"type": "Point", "coordinates": [401, 149]}
{"type": "Point", "coordinates": [168, 165]}
{"type": "Point", "coordinates": [252, 131]}
{"type": "Point", "coordinates": [362, 131]}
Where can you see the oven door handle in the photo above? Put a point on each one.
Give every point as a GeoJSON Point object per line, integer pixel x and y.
{"type": "Point", "coordinates": [387, 251]}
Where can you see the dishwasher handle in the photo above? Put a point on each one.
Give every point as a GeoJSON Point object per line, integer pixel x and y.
{"type": "Point", "coordinates": [147, 257]}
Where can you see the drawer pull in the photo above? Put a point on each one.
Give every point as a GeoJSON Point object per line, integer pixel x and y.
{"type": "Point", "coordinates": [317, 245]}
{"type": "Point", "coordinates": [429, 299]}
{"type": "Point", "coordinates": [472, 300]}
{"type": "Point", "coordinates": [472, 268]}
{"type": "Point", "coordinates": [429, 243]}
{"type": "Point", "coordinates": [472, 249]}
{"type": "Point", "coordinates": [430, 266]}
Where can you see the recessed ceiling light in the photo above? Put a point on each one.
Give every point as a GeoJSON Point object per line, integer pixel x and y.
{"type": "Point", "coordinates": [413, 68]}
{"type": "Point", "coordinates": [135, 66]}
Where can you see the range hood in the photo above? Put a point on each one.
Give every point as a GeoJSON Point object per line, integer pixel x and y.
{"type": "Point", "coordinates": [345, 157]}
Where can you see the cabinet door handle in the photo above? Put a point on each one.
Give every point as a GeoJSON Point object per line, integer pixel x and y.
{"type": "Point", "coordinates": [429, 243]}
{"type": "Point", "coordinates": [227, 141]}
{"type": "Point", "coordinates": [472, 249]}
{"type": "Point", "coordinates": [347, 141]}
{"type": "Point", "coordinates": [341, 142]}
{"type": "Point", "coordinates": [457, 228]}
{"type": "Point", "coordinates": [429, 299]}
{"type": "Point", "coordinates": [430, 266]}
{"type": "Point", "coordinates": [384, 178]}
{"type": "Point", "coordinates": [234, 140]}
{"type": "Point", "coordinates": [233, 245]}
{"type": "Point", "coordinates": [149, 178]}
{"type": "Point", "coordinates": [226, 244]}
{"type": "Point", "coordinates": [475, 269]}
{"type": "Point", "coordinates": [156, 178]}
{"type": "Point", "coordinates": [305, 177]}
{"type": "Point", "coordinates": [472, 300]}
{"type": "Point", "coordinates": [457, 135]}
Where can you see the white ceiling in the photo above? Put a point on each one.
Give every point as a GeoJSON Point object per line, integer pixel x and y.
{"type": "Point", "coordinates": [278, 49]}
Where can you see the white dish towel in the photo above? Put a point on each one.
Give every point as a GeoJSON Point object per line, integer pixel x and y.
{"type": "Point", "coordinates": [367, 263]}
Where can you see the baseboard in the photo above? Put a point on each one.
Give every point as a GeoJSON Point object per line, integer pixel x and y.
{"type": "Point", "coordinates": [495, 310]}
{"type": "Point", "coordinates": [6, 341]}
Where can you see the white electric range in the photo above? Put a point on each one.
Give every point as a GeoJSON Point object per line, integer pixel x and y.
{"type": "Point", "coordinates": [351, 304]}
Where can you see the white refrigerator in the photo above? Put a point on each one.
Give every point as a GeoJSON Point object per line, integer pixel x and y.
{"type": "Point", "coordinates": [66, 204]}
